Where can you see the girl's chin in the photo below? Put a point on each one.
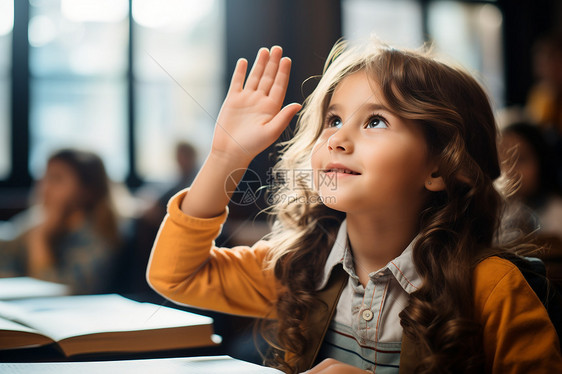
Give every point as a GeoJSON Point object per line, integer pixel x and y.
{"type": "Point", "coordinates": [331, 201]}
{"type": "Point", "coordinates": [340, 202]}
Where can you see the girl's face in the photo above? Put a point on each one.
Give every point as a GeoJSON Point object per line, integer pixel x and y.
{"type": "Point", "coordinates": [366, 158]}
{"type": "Point", "coordinates": [60, 187]}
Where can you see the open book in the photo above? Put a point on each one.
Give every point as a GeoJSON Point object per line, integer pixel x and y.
{"type": "Point", "coordinates": [101, 324]}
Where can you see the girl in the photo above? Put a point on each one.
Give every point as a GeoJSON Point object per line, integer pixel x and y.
{"type": "Point", "coordinates": [386, 260]}
{"type": "Point", "coordinates": [76, 240]}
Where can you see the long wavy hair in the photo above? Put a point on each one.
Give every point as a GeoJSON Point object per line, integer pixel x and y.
{"type": "Point", "coordinates": [457, 225]}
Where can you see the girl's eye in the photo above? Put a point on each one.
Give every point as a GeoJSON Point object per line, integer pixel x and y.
{"type": "Point", "coordinates": [334, 121]}
{"type": "Point", "coordinates": [376, 122]}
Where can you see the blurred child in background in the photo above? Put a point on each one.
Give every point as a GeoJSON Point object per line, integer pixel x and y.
{"type": "Point", "coordinates": [526, 156]}
{"type": "Point", "coordinates": [72, 236]}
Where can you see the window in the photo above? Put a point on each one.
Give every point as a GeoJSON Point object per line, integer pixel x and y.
{"type": "Point", "coordinates": [398, 22]}
{"type": "Point", "coordinates": [107, 82]}
{"type": "Point", "coordinates": [78, 66]}
{"type": "Point", "coordinates": [472, 35]}
{"type": "Point", "coordinates": [6, 27]}
{"type": "Point", "coordinates": [178, 79]}
{"type": "Point", "coordinates": [466, 32]}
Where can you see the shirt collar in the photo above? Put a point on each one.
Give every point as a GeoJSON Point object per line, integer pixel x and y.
{"type": "Point", "coordinates": [404, 270]}
{"type": "Point", "coordinates": [402, 267]}
{"type": "Point", "coordinates": [336, 255]}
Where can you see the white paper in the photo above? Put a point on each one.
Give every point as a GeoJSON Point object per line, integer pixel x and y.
{"type": "Point", "coordinates": [13, 326]}
{"type": "Point", "coordinates": [192, 365]}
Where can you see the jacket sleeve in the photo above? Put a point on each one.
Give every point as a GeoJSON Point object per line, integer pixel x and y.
{"type": "Point", "coordinates": [518, 334]}
{"type": "Point", "coordinates": [186, 267]}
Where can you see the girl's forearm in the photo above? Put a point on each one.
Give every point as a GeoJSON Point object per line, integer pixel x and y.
{"type": "Point", "coordinates": [212, 189]}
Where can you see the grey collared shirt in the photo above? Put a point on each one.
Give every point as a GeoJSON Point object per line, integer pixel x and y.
{"type": "Point", "coordinates": [366, 331]}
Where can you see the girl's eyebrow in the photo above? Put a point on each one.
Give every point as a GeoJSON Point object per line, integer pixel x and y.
{"type": "Point", "coordinates": [368, 106]}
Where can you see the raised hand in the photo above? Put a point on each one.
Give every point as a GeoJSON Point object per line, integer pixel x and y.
{"type": "Point", "coordinates": [251, 118]}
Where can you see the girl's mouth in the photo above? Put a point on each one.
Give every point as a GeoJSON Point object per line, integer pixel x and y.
{"type": "Point", "coordinates": [342, 171]}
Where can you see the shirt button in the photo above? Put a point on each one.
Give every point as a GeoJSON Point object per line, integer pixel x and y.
{"type": "Point", "coordinates": [367, 315]}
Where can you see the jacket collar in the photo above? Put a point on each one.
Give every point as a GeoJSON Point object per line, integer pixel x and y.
{"type": "Point", "coordinates": [402, 267]}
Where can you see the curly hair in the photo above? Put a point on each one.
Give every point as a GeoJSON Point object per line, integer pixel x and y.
{"type": "Point", "coordinates": [457, 225]}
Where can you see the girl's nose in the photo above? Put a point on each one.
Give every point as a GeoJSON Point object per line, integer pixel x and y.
{"type": "Point", "coordinates": [340, 142]}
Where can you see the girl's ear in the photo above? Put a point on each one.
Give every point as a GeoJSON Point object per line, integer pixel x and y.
{"type": "Point", "coordinates": [434, 182]}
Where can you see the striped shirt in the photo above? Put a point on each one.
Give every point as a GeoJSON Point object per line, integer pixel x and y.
{"type": "Point", "coordinates": [365, 331]}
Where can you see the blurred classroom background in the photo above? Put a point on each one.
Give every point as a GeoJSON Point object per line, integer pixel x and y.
{"type": "Point", "coordinates": [140, 83]}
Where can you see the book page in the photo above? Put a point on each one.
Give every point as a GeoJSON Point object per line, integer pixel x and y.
{"type": "Point", "coordinates": [14, 326]}
{"type": "Point", "coordinates": [15, 335]}
{"type": "Point", "coordinates": [26, 287]}
{"type": "Point", "coordinates": [192, 365]}
{"type": "Point", "coordinates": [64, 317]}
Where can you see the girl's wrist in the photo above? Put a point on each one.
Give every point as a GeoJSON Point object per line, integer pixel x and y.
{"type": "Point", "coordinates": [228, 161]}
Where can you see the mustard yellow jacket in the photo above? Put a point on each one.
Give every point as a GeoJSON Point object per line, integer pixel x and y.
{"type": "Point", "coordinates": [186, 267]}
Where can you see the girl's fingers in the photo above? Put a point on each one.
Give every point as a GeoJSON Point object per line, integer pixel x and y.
{"type": "Point", "coordinates": [237, 81]}
{"type": "Point", "coordinates": [258, 69]}
{"type": "Point", "coordinates": [282, 119]}
{"type": "Point", "coordinates": [331, 366]}
{"type": "Point", "coordinates": [271, 69]}
{"type": "Point", "coordinates": [321, 366]}
{"type": "Point", "coordinates": [279, 87]}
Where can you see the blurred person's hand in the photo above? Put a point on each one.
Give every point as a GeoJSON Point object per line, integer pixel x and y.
{"type": "Point", "coordinates": [40, 256]}
{"type": "Point", "coordinates": [60, 194]}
